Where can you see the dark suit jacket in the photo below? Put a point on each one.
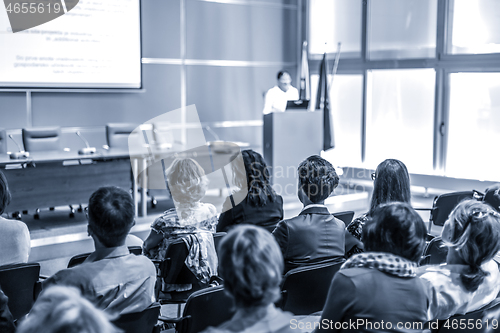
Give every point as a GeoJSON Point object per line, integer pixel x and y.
{"type": "Point", "coordinates": [266, 216]}
{"type": "Point", "coordinates": [312, 236]}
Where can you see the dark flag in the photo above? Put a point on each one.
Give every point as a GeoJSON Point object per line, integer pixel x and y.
{"type": "Point", "coordinates": [323, 103]}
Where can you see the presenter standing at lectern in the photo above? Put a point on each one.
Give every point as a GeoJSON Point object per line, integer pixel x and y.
{"type": "Point", "coordinates": [279, 95]}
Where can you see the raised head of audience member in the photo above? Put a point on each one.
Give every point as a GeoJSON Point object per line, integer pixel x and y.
{"type": "Point", "coordinates": [116, 280]}
{"type": "Point", "coordinates": [391, 183]}
{"type": "Point", "coordinates": [14, 235]}
{"type": "Point", "coordinates": [315, 234]}
{"type": "Point", "coordinates": [470, 278]}
{"type": "Point", "coordinates": [63, 309]}
{"type": "Point", "coordinates": [255, 202]}
{"type": "Point", "coordinates": [252, 268]}
{"type": "Point", "coordinates": [190, 219]}
{"type": "Point", "coordinates": [381, 285]}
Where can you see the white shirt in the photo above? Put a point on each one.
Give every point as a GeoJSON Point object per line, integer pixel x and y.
{"type": "Point", "coordinates": [276, 99]}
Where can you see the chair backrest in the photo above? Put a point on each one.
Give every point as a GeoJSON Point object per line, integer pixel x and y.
{"type": "Point", "coordinates": [304, 289]}
{"type": "Point", "coordinates": [217, 239]}
{"type": "Point", "coordinates": [18, 283]}
{"type": "Point", "coordinates": [345, 217]}
{"type": "Point", "coordinates": [434, 253]}
{"type": "Point", "coordinates": [42, 139]}
{"type": "Point", "coordinates": [444, 204]}
{"type": "Point", "coordinates": [117, 134]}
{"type": "Point", "coordinates": [80, 258]}
{"type": "Point", "coordinates": [478, 316]}
{"type": "Point", "coordinates": [173, 269]}
{"type": "Point", "coordinates": [139, 322]}
{"type": "Point", "coordinates": [3, 141]}
{"type": "Point", "coordinates": [204, 308]}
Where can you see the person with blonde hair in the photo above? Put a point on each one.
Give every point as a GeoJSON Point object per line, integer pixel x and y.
{"type": "Point", "coordinates": [191, 220]}
{"type": "Point", "coordinates": [470, 278]}
{"type": "Point", "coordinates": [252, 268]}
{"type": "Point", "coordinates": [63, 309]}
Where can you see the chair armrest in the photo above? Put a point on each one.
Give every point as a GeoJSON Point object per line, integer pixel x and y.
{"type": "Point", "coordinates": [43, 277]}
{"type": "Point", "coordinates": [429, 209]}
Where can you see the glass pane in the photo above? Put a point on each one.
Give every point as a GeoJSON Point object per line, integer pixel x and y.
{"type": "Point", "coordinates": [402, 29]}
{"type": "Point", "coordinates": [476, 26]}
{"type": "Point", "coordinates": [346, 95]}
{"type": "Point", "coordinates": [474, 126]}
{"type": "Point", "coordinates": [400, 118]}
{"type": "Point", "coordinates": [334, 21]}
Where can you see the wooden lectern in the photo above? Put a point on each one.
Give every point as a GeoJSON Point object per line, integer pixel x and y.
{"type": "Point", "coordinates": [289, 138]}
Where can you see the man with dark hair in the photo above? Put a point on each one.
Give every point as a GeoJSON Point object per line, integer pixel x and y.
{"type": "Point", "coordinates": [279, 95]}
{"type": "Point", "coordinates": [115, 280]}
{"type": "Point", "coordinates": [314, 235]}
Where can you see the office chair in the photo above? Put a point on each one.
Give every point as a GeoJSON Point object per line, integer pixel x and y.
{"type": "Point", "coordinates": [80, 258]}
{"type": "Point", "coordinates": [434, 253]}
{"type": "Point", "coordinates": [345, 217]}
{"type": "Point", "coordinates": [488, 312]}
{"type": "Point", "coordinates": [117, 134]}
{"type": "Point", "coordinates": [140, 322]}
{"type": "Point", "coordinates": [445, 203]}
{"type": "Point", "coordinates": [304, 289]}
{"type": "Point", "coordinates": [208, 307]}
{"type": "Point", "coordinates": [3, 141]}
{"type": "Point", "coordinates": [42, 139]}
{"type": "Point", "coordinates": [173, 270]}
{"type": "Point", "coordinates": [18, 283]}
{"type": "Point", "coordinates": [45, 139]}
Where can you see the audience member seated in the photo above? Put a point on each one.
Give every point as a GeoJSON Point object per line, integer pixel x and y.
{"type": "Point", "coordinates": [6, 319]}
{"type": "Point", "coordinates": [255, 202]}
{"type": "Point", "coordinates": [470, 278]}
{"type": "Point", "coordinates": [111, 277]}
{"type": "Point", "coordinates": [63, 309]}
{"type": "Point", "coordinates": [391, 183]}
{"type": "Point", "coordinates": [14, 235]}
{"type": "Point", "coordinates": [190, 220]}
{"type": "Point", "coordinates": [381, 285]}
{"type": "Point", "coordinates": [252, 268]}
{"type": "Point", "coordinates": [315, 234]}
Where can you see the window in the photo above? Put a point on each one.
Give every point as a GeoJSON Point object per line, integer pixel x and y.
{"type": "Point", "coordinates": [346, 93]}
{"type": "Point", "coordinates": [402, 29]}
{"type": "Point", "coordinates": [334, 21]}
{"type": "Point", "coordinates": [399, 118]}
{"type": "Point", "coordinates": [476, 26]}
{"type": "Point", "coordinates": [474, 126]}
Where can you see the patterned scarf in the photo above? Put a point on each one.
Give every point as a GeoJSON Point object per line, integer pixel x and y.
{"type": "Point", "coordinates": [384, 262]}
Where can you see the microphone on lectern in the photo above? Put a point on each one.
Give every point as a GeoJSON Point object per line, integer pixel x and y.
{"type": "Point", "coordinates": [87, 150]}
{"type": "Point", "coordinates": [20, 153]}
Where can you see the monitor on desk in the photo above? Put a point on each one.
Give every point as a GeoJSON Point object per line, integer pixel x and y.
{"type": "Point", "coordinates": [297, 105]}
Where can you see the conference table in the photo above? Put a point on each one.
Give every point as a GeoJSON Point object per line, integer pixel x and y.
{"type": "Point", "coordinates": [60, 178]}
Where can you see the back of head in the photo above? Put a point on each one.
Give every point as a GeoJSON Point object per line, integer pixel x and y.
{"type": "Point", "coordinates": [5, 196]}
{"type": "Point", "coordinates": [251, 266]}
{"type": "Point", "coordinates": [492, 197]}
{"type": "Point", "coordinates": [392, 183]}
{"type": "Point", "coordinates": [317, 178]}
{"type": "Point", "coordinates": [111, 215]}
{"type": "Point", "coordinates": [187, 181]}
{"type": "Point", "coordinates": [257, 177]}
{"type": "Point", "coordinates": [395, 228]}
{"type": "Point", "coordinates": [64, 310]}
{"type": "Point", "coordinates": [473, 232]}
